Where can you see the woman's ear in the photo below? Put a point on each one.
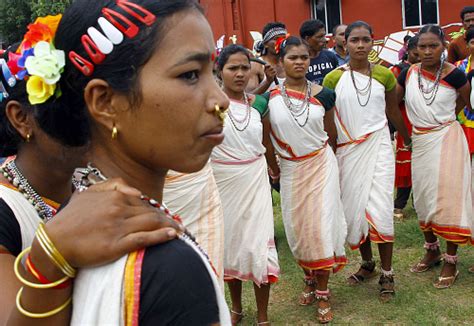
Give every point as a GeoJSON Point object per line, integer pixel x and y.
{"type": "Point", "coordinates": [19, 119]}
{"type": "Point", "coordinates": [103, 103]}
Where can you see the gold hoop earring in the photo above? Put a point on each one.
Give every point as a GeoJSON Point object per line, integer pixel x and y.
{"type": "Point", "coordinates": [28, 138]}
{"type": "Point", "coordinates": [114, 133]}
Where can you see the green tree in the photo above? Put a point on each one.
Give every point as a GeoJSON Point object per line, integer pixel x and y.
{"type": "Point", "coordinates": [41, 8]}
{"type": "Point", "coordinates": [14, 17]}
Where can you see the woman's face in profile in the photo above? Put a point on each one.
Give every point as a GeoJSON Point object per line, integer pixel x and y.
{"type": "Point", "coordinates": [174, 126]}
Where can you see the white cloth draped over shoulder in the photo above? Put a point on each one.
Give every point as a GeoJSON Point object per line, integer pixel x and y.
{"type": "Point", "coordinates": [110, 294]}
{"type": "Point", "coordinates": [195, 198]}
{"type": "Point", "coordinates": [24, 212]}
{"type": "Point", "coordinates": [240, 169]}
{"type": "Point", "coordinates": [441, 162]}
{"type": "Point", "coordinates": [366, 161]}
{"type": "Point", "coordinates": [310, 196]}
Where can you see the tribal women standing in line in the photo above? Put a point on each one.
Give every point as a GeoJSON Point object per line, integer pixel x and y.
{"type": "Point", "coordinates": [365, 97]}
{"type": "Point", "coordinates": [440, 161]}
{"type": "Point", "coordinates": [240, 169]}
{"type": "Point", "coordinates": [303, 132]}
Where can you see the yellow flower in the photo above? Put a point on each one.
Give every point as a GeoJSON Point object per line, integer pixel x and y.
{"type": "Point", "coordinates": [38, 91]}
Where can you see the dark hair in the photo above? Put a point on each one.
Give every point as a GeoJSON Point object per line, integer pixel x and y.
{"type": "Point", "coordinates": [288, 43]}
{"type": "Point", "coordinates": [334, 29]}
{"type": "Point", "coordinates": [66, 118]}
{"type": "Point", "coordinates": [466, 10]}
{"type": "Point", "coordinates": [412, 43]}
{"type": "Point", "coordinates": [228, 51]}
{"type": "Point", "coordinates": [9, 136]}
{"type": "Point", "coordinates": [407, 38]}
{"type": "Point", "coordinates": [311, 27]}
{"type": "Point", "coordinates": [357, 24]}
{"type": "Point", "coordinates": [469, 34]}
{"type": "Point", "coordinates": [271, 25]}
{"type": "Point", "coordinates": [434, 29]}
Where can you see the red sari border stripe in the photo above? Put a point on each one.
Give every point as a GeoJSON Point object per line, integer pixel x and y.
{"type": "Point", "coordinates": [282, 144]}
{"type": "Point", "coordinates": [295, 95]}
{"type": "Point", "coordinates": [335, 263]}
{"type": "Point", "coordinates": [374, 235]}
{"type": "Point", "coordinates": [450, 233]}
{"type": "Point", "coordinates": [432, 77]}
{"type": "Point", "coordinates": [133, 273]}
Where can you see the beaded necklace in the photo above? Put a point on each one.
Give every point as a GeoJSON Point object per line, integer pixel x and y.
{"type": "Point", "coordinates": [429, 92]}
{"type": "Point", "coordinates": [11, 172]}
{"type": "Point", "coordinates": [366, 90]}
{"type": "Point", "coordinates": [246, 119]}
{"type": "Point", "coordinates": [298, 110]}
{"type": "Point", "coordinates": [90, 175]}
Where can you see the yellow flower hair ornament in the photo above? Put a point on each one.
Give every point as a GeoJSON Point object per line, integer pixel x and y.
{"type": "Point", "coordinates": [37, 61]}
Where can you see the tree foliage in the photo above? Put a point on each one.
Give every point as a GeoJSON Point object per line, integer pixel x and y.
{"type": "Point", "coordinates": [41, 8]}
{"type": "Point", "coordinates": [15, 15]}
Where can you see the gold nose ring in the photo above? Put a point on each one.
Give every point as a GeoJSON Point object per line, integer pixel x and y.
{"type": "Point", "coordinates": [220, 112]}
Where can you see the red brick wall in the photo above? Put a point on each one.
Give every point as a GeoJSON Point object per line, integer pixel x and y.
{"type": "Point", "coordinates": [241, 16]}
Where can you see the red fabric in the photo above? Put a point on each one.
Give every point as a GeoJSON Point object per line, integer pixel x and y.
{"type": "Point", "coordinates": [469, 132]}
{"type": "Point", "coordinates": [403, 170]}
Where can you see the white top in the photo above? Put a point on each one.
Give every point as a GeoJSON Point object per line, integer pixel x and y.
{"type": "Point", "coordinates": [240, 145]}
{"type": "Point", "coordinates": [288, 137]}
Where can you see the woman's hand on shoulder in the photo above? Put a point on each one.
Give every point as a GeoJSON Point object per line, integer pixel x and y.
{"type": "Point", "coordinates": [106, 222]}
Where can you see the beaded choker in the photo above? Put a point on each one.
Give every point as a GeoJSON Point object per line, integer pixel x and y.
{"type": "Point", "coordinates": [11, 172]}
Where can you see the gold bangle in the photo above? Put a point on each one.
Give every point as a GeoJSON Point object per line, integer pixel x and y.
{"type": "Point", "coordinates": [53, 253]}
{"type": "Point", "coordinates": [16, 269]}
{"type": "Point", "coordinates": [39, 315]}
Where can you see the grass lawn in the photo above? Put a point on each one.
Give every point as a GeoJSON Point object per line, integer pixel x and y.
{"type": "Point", "coordinates": [416, 302]}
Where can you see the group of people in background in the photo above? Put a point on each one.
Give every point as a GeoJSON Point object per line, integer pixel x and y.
{"type": "Point", "coordinates": [177, 196]}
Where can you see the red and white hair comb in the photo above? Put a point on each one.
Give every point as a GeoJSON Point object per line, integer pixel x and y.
{"type": "Point", "coordinates": [114, 28]}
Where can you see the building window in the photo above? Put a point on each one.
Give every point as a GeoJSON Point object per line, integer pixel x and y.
{"type": "Point", "coordinates": [328, 11]}
{"type": "Point", "coordinates": [420, 12]}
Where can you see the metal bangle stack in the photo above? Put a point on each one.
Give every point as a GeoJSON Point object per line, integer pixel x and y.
{"type": "Point", "coordinates": [298, 110]}
{"type": "Point", "coordinates": [11, 172]}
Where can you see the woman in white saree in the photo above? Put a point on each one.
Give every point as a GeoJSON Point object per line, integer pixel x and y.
{"type": "Point", "coordinates": [441, 162]}
{"type": "Point", "coordinates": [194, 197]}
{"type": "Point", "coordinates": [240, 170]}
{"type": "Point", "coordinates": [300, 114]}
{"type": "Point", "coordinates": [365, 96]}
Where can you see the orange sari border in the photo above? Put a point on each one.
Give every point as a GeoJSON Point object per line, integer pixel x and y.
{"type": "Point", "coordinates": [296, 95]}
{"type": "Point", "coordinates": [450, 233]}
{"type": "Point", "coordinates": [374, 235]}
{"type": "Point", "coordinates": [133, 273]}
{"type": "Point", "coordinates": [270, 278]}
{"type": "Point", "coordinates": [336, 263]}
